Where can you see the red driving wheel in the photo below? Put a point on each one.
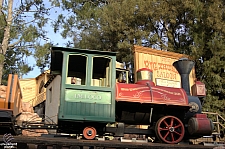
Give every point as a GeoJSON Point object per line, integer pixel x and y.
{"type": "Point", "coordinates": [89, 133]}
{"type": "Point", "coordinates": [170, 129]}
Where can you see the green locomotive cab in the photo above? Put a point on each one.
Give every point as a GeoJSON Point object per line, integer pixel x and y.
{"type": "Point", "coordinates": [84, 82]}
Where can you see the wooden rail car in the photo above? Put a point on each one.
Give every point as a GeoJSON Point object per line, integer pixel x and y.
{"type": "Point", "coordinates": [10, 106]}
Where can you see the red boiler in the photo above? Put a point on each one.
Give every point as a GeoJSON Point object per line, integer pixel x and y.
{"type": "Point", "coordinates": [151, 94]}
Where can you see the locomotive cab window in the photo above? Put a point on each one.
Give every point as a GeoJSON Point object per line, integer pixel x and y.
{"type": "Point", "coordinates": [121, 76]}
{"type": "Point", "coordinates": [101, 75]}
{"type": "Point", "coordinates": [77, 70]}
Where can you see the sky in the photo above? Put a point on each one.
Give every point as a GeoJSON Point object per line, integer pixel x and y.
{"type": "Point", "coordinates": [54, 37]}
{"type": "Point", "coordinates": [36, 71]}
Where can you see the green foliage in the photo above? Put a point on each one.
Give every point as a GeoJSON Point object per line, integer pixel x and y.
{"type": "Point", "coordinates": [2, 24]}
{"type": "Point", "coordinates": [42, 55]}
{"type": "Point", "coordinates": [15, 63]}
{"type": "Point", "coordinates": [192, 27]}
{"type": "Point", "coordinates": [208, 44]}
{"type": "Point", "coordinates": [26, 34]}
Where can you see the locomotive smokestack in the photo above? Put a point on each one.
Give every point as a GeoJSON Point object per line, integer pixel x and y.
{"type": "Point", "coordinates": [184, 67]}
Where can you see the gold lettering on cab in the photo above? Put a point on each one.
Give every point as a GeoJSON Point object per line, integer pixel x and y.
{"type": "Point", "coordinates": [87, 96]}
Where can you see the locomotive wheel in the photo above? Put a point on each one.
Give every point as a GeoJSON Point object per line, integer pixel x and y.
{"type": "Point", "coordinates": [89, 133]}
{"type": "Point", "coordinates": [170, 129]}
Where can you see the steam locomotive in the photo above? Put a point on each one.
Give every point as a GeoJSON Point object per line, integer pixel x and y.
{"type": "Point", "coordinates": [83, 97]}
{"type": "Point", "coordinates": [87, 96]}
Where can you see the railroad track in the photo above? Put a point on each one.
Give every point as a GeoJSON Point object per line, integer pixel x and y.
{"type": "Point", "coordinates": [71, 143]}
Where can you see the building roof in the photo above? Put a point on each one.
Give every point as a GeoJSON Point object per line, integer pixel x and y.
{"type": "Point", "coordinates": [163, 53]}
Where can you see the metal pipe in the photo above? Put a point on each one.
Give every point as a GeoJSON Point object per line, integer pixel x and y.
{"type": "Point", "coordinates": [150, 115]}
{"type": "Point", "coordinates": [184, 67]}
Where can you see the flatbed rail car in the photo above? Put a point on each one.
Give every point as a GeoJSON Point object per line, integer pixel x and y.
{"type": "Point", "coordinates": [10, 105]}
{"type": "Point", "coordinates": [71, 143]}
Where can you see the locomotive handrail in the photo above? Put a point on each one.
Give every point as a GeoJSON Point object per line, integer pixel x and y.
{"type": "Point", "coordinates": [218, 134]}
{"type": "Point", "coordinates": [217, 122]}
{"type": "Point", "coordinates": [213, 113]}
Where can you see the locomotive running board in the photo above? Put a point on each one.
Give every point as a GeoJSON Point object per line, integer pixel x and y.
{"type": "Point", "coordinates": [213, 144]}
{"type": "Point", "coordinates": [133, 140]}
{"type": "Point", "coordinates": [126, 140]}
{"type": "Point", "coordinates": [37, 126]}
{"type": "Point", "coordinates": [130, 131]}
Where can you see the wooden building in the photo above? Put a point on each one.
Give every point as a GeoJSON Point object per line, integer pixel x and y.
{"type": "Point", "coordinates": [28, 87]}
{"type": "Point", "coordinates": [34, 92]}
{"type": "Point", "coordinates": [161, 63]}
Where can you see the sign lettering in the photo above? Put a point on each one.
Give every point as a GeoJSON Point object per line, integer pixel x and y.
{"type": "Point", "coordinates": [166, 75]}
{"type": "Point", "coordinates": [161, 63]}
{"type": "Point", "coordinates": [168, 83]}
{"type": "Point", "coordinates": [159, 66]}
{"type": "Point", "coordinates": [162, 68]}
{"type": "Point", "coordinates": [87, 96]}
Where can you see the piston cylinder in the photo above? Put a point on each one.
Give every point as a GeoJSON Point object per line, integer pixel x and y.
{"type": "Point", "coordinates": [200, 125]}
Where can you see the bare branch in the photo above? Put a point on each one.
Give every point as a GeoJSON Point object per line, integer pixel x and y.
{"type": "Point", "coordinates": [18, 12]}
{"type": "Point", "coordinates": [30, 21]}
{"type": "Point", "coordinates": [15, 43]}
{"type": "Point", "coordinates": [26, 46]}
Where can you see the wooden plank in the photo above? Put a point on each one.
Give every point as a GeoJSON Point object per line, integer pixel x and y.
{"type": "Point", "coordinates": [2, 103]}
{"type": "Point", "coordinates": [13, 94]}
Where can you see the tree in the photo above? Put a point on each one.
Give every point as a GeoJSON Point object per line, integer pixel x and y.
{"type": "Point", "coordinates": [6, 34]}
{"type": "Point", "coordinates": [208, 34]}
{"type": "Point", "coordinates": [109, 25]}
{"type": "Point", "coordinates": [21, 32]}
{"type": "Point", "coordinates": [189, 27]}
{"type": "Point", "coordinates": [116, 25]}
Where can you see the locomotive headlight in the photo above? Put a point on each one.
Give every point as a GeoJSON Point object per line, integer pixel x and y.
{"type": "Point", "coordinates": [193, 107]}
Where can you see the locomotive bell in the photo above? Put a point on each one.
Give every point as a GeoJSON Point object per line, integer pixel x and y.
{"type": "Point", "coordinates": [184, 67]}
{"type": "Point", "coordinates": [144, 74]}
